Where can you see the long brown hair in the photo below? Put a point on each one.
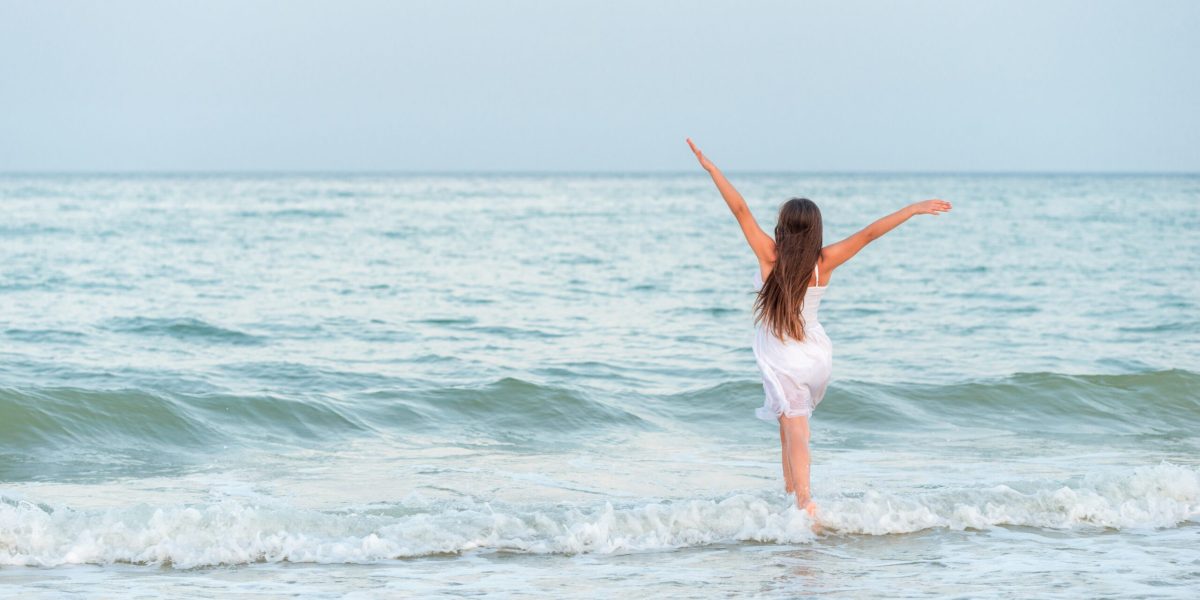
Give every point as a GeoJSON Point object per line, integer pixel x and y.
{"type": "Point", "coordinates": [798, 245]}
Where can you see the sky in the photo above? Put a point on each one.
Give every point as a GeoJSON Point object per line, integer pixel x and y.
{"type": "Point", "coordinates": [517, 85]}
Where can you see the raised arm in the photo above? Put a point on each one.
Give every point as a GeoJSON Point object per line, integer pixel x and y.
{"type": "Point", "coordinates": [834, 255]}
{"type": "Point", "coordinates": [761, 243]}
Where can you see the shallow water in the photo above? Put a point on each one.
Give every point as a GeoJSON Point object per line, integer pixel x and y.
{"type": "Point", "coordinates": [543, 385]}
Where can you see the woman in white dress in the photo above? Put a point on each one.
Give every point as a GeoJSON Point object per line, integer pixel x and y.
{"type": "Point", "coordinates": [793, 353]}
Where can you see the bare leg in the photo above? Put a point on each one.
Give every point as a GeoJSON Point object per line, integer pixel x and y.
{"type": "Point", "coordinates": [795, 435]}
{"type": "Point", "coordinates": [788, 484]}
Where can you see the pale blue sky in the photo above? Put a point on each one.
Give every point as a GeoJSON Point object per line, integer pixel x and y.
{"type": "Point", "coordinates": [599, 86]}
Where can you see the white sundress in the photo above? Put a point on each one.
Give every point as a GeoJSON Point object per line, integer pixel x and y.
{"type": "Point", "coordinates": [795, 373]}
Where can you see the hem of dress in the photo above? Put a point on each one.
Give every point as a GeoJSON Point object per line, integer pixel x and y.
{"type": "Point", "coordinates": [771, 416]}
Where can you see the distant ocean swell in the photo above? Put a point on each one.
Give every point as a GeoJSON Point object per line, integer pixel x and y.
{"type": "Point", "coordinates": [1155, 402]}
{"type": "Point", "coordinates": [33, 419]}
{"type": "Point", "coordinates": [239, 529]}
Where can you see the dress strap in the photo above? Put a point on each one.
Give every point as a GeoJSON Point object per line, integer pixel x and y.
{"type": "Point", "coordinates": [817, 281]}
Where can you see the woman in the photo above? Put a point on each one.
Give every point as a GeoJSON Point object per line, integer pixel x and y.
{"type": "Point", "coordinates": [790, 346]}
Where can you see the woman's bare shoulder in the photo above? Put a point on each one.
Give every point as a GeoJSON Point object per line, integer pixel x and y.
{"type": "Point", "coordinates": [764, 268]}
{"type": "Point", "coordinates": [825, 268]}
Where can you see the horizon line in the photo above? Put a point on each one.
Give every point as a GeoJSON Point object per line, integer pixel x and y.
{"type": "Point", "coordinates": [564, 172]}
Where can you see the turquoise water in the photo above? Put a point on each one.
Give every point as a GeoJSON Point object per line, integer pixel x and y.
{"type": "Point", "coordinates": [451, 385]}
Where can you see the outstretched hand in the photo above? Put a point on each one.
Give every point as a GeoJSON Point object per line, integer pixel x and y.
{"type": "Point", "coordinates": [929, 207]}
{"type": "Point", "coordinates": [704, 162]}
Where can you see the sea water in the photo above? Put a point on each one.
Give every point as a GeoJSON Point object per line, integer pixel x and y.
{"type": "Point", "coordinates": [542, 385]}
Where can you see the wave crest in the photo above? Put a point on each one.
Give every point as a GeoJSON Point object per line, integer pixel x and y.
{"type": "Point", "coordinates": [240, 531]}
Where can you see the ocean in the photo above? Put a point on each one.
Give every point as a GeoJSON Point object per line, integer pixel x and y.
{"type": "Point", "coordinates": [530, 385]}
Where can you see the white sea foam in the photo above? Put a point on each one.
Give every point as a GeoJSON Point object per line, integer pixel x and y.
{"type": "Point", "coordinates": [238, 530]}
{"type": "Point", "coordinates": [234, 531]}
{"type": "Point", "coordinates": [1147, 497]}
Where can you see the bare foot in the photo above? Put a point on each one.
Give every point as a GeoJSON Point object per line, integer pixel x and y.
{"type": "Point", "coordinates": [810, 507]}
